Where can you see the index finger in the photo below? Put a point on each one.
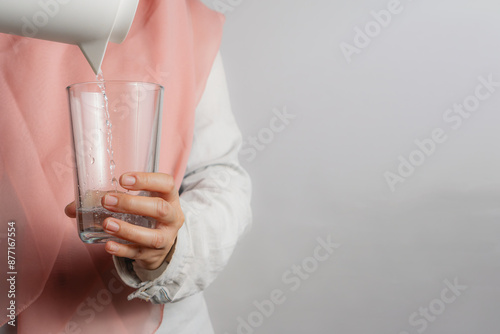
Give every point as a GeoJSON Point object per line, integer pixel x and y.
{"type": "Point", "coordinates": [161, 183]}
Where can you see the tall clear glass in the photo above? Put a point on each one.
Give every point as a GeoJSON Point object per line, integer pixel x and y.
{"type": "Point", "coordinates": [116, 128]}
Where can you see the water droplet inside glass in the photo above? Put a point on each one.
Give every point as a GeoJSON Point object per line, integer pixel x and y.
{"type": "Point", "coordinates": [114, 183]}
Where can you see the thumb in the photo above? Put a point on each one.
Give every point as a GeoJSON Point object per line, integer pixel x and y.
{"type": "Point", "coordinates": [70, 210]}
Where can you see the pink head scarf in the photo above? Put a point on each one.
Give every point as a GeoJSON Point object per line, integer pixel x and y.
{"type": "Point", "coordinates": [63, 285]}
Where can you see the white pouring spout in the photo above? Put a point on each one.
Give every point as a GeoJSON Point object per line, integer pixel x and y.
{"type": "Point", "coordinates": [90, 24]}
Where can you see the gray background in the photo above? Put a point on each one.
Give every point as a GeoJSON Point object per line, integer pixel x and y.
{"type": "Point", "coordinates": [323, 174]}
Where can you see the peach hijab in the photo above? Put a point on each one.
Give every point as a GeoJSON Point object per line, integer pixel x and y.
{"type": "Point", "coordinates": [61, 284]}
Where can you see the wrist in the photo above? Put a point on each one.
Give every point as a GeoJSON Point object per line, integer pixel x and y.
{"type": "Point", "coordinates": [170, 254]}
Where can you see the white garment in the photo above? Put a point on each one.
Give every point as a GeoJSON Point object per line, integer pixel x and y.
{"type": "Point", "coordinates": [215, 199]}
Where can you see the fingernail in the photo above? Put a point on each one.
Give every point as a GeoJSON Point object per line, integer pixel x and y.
{"type": "Point", "coordinates": [112, 226]}
{"type": "Point", "coordinates": [112, 248]}
{"type": "Point", "coordinates": [128, 180]}
{"type": "Point", "coordinates": [110, 200]}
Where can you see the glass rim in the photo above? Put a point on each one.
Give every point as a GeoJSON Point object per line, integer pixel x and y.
{"type": "Point", "coordinates": [126, 82]}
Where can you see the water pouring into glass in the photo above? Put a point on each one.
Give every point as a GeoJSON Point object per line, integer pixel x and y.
{"type": "Point", "coordinates": [111, 134]}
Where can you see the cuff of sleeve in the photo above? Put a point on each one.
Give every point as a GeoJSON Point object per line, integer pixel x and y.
{"type": "Point", "coordinates": [126, 272]}
{"type": "Point", "coordinates": [166, 287]}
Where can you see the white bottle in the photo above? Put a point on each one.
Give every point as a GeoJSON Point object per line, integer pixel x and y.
{"type": "Point", "coordinates": [90, 24]}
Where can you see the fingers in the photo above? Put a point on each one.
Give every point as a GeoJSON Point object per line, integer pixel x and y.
{"type": "Point", "coordinates": [154, 207]}
{"type": "Point", "coordinates": [70, 210]}
{"type": "Point", "coordinates": [163, 184]}
{"type": "Point", "coordinates": [147, 258]}
{"type": "Point", "coordinates": [149, 246]}
{"type": "Point", "coordinates": [158, 238]}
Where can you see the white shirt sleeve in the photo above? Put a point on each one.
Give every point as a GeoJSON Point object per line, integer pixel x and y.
{"type": "Point", "coordinates": [215, 198]}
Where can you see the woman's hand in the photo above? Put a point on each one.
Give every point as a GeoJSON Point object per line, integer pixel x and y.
{"type": "Point", "coordinates": [150, 246]}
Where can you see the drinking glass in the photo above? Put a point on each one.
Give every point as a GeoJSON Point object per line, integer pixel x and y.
{"type": "Point", "coordinates": [116, 128]}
